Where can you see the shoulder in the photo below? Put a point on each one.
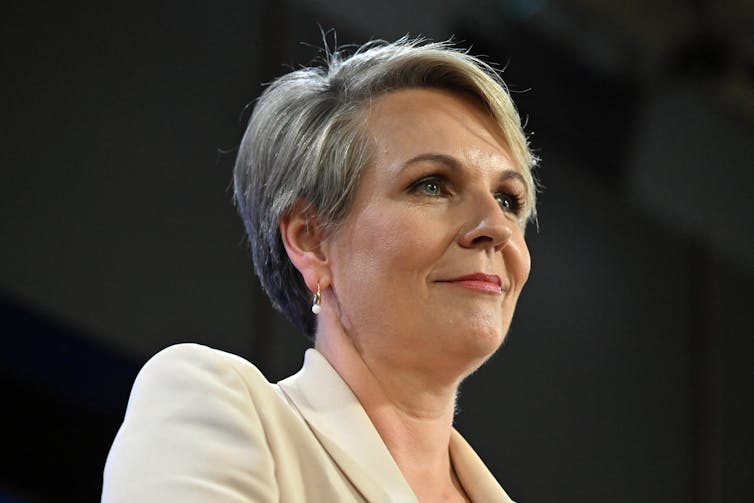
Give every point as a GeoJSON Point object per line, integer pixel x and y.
{"type": "Point", "coordinates": [190, 405]}
{"type": "Point", "coordinates": [197, 375]}
{"type": "Point", "coordinates": [201, 359]}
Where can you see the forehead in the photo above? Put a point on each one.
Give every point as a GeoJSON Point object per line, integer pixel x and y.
{"type": "Point", "coordinates": [410, 122]}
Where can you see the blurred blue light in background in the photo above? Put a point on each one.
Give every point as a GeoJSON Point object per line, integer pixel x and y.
{"type": "Point", "coordinates": [522, 9]}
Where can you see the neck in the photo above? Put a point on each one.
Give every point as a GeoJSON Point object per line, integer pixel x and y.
{"type": "Point", "coordinates": [411, 409]}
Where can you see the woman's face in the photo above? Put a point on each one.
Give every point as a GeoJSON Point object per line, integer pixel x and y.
{"type": "Point", "coordinates": [429, 263]}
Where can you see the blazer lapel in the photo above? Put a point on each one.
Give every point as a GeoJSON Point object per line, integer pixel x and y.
{"type": "Point", "coordinates": [471, 471]}
{"type": "Point", "coordinates": [337, 419]}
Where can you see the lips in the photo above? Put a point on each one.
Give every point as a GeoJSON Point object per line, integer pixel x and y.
{"type": "Point", "coordinates": [488, 283]}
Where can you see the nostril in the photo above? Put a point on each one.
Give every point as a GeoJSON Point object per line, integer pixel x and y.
{"type": "Point", "coordinates": [481, 240]}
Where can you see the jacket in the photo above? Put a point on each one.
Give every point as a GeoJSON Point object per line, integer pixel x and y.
{"type": "Point", "coordinates": [206, 426]}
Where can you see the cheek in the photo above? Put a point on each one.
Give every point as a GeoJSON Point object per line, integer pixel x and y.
{"type": "Point", "coordinates": [380, 261]}
{"type": "Point", "coordinates": [518, 259]}
{"type": "Point", "coordinates": [383, 242]}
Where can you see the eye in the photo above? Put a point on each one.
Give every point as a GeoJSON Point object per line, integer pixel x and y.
{"type": "Point", "coordinates": [510, 203]}
{"type": "Point", "coordinates": [431, 186]}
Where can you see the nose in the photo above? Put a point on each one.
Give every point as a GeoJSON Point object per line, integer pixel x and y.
{"type": "Point", "coordinates": [489, 227]}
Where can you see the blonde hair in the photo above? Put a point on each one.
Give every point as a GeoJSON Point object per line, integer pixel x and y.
{"type": "Point", "coordinates": [304, 141]}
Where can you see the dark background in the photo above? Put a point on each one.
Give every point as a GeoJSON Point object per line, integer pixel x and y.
{"type": "Point", "coordinates": [626, 375]}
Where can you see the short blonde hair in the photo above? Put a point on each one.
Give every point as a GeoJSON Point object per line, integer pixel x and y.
{"type": "Point", "coordinates": [304, 142]}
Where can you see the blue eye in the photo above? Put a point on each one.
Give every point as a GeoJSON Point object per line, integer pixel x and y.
{"type": "Point", "coordinates": [508, 202]}
{"type": "Point", "coordinates": [430, 187]}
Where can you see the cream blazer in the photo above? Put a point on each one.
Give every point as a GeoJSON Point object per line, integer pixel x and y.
{"type": "Point", "coordinates": [205, 426]}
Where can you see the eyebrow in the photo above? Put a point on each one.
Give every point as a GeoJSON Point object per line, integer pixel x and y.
{"type": "Point", "coordinates": [453, 163]}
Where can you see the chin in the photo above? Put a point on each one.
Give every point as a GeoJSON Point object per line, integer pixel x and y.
{"type": "Point", "coordinates": [478, 344]}
{"type": "Point", "coordinates": [487, 341]}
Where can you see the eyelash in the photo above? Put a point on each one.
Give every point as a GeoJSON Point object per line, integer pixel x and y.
{"type": "Point", "coordinates": [441, 183]}
{"type": "Point", "coordinates": [515, 200]}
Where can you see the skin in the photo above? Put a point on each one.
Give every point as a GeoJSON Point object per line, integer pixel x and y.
{"type": "Point", "coordinates": [438, 202]}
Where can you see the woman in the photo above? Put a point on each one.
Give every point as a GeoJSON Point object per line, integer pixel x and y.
{"type": "Point", "coordinates": [385, 197]}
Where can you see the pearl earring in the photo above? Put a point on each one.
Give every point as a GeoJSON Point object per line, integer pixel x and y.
{"type": "Point", "coordinates": [317, 301]}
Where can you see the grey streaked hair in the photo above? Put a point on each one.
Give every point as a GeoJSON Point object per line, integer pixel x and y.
{"type": "Point", "coordinates": [305, 142]}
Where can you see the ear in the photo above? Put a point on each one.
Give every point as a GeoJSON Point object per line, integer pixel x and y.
{"type": "Point", "coordinates": [304, 241]}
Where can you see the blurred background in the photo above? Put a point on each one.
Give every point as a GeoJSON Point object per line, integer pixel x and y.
{"type": "Point", "coordinates": [626, 375]}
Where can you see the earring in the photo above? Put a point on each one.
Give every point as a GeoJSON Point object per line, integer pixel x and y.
{"type": "Point", "coordinates": [317, 301]}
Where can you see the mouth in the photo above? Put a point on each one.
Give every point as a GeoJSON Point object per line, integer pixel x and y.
{"type": "Point", "coordinates": [480, 282]}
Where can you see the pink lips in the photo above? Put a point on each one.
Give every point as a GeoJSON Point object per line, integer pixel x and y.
{"type": "Point", "coordinates": [488, 283]}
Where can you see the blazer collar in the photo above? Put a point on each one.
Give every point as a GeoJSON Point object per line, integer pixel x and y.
{"type": "Point", "coordinates": [342, 426]}
{"type": "Point", "coordinates": [475, 477]}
